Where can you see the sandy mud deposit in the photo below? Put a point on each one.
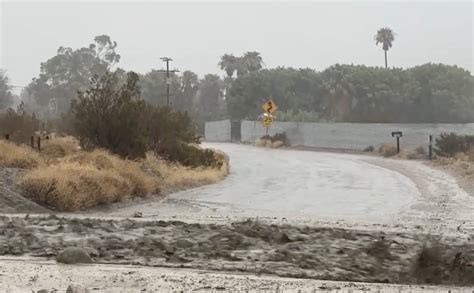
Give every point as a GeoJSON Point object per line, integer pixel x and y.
{"type": "Point", "coordinates": [250, 246]}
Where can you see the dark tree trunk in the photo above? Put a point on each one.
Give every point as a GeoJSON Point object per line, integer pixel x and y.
{"type": "Point", "coordinates": [385, 58]}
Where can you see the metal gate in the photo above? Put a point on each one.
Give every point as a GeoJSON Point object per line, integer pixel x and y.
{"type": "Point", "coordinates": [235, 134]}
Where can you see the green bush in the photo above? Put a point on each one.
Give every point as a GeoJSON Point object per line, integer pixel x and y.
{"type": "Point", "coordinates": [110, 115]}
{"type": "Point", "coordinates": [449, 144]}
{"type": "Point", "coordinates": [187, 155]}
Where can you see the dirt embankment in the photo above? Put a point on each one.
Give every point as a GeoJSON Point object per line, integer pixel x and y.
{"type": "Point", "coordinates": [10, 199]}
{"type": "Point", "coordinates": [250, 246]}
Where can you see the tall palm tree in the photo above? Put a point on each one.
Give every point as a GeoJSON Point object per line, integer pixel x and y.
{"type": "Point", "coordinates": [385, 36]}
{"type": "Point", "coordinates": [252, 61]}
{"type": "Point", "coordinates": [228, 63]}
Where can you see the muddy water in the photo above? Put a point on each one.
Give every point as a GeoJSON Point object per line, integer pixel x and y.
{"type": "Point", "coordinates": [293, 184]}
{"type": "Point", "coordinates": [250, 246]}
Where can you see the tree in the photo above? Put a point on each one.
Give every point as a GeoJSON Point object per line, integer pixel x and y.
{"type": "Point", "coordinates": [252, 61]}
{"type": "Point", "coordinates": [109, 115]}
{"type": "Point", "coordinates": [385, 36]}
{"type": "Point", "coordinates": [153, 87]}
{"type": "Point", "coordinates": [209, 103]}
{"type": "Point", "coordinates": [69, 71]}
{"type": "Point", "coordinates": [6, 96]}
{"type": "Point", "coordinates": [228, 63]}
{"type": "Point", "coordinates": [339, 96]}
{"type": "Point", "coordinates": [188, 88]}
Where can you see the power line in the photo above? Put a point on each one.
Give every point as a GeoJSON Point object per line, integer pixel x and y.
{"type": "Point", "coordinates": [168, 81]}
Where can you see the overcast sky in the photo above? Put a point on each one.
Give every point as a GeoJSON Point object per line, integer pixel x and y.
{"type": "Point", "coordinates": [196, 34]}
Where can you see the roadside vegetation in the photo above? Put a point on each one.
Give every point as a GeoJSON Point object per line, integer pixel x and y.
{"type": "Point", "coordinates": [273, 141]}
{"type": "Point", "coordinates": [114, 147]}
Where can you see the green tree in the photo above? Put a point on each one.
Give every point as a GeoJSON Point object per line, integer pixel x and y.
{"type": "Point", "coordinates": [252, 61]}
{"type": "Point", "coordinates": [209, 103]}
{"type": "Point", "coordinates": [385, 36]}
{"type": "Point", "coordinates": [109, 115]}
{"type": "Point", "coordinates": [69, 71]}
{"type": "Point", "coordinates": [188, 88]}
{"type": "Point", "coordinates": [6, 96]}
{"type": "Point", "coordinates": [228, 63]}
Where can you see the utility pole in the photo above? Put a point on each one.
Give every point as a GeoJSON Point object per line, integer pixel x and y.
{"type": "Point", "coordinates": [168, 81]}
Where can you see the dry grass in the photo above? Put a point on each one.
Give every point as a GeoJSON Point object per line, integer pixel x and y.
{"type": "Point", "coordinates": [15, 156]}
{"type": "Point", "coordinates": [82, 180]}
{"type": "Point", "coordinates": [71, 186]}
{"type": "Point", "coordinates": [175, 177]}
{"type": "Point", "coordinates": [65, 178]}
{"type": "Point", "coordinates": [87, 179]}
{"type": "Point", "coordinates": [277, 144]}
{"type": "Point", "coordinates": [59, 147]}
{"type": "Point", "coordinates": [387, 150]}
{"type": "Point", "coordinates": [268, 143]}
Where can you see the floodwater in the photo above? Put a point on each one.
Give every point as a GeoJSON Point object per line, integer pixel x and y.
{"type": "Point", "coordinates": [293, 184]}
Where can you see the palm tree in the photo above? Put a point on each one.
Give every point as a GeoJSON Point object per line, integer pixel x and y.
{"type": "Point", "coordinates": [385, 36]}
{"type": "Point", "coordinates": [252, 61]}
{"type": "Point", "coordinates": [228, 63]}
{"type": "Point", "coordinates": [339, 92]}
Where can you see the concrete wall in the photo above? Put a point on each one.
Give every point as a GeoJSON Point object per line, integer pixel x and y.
{"type": "Point", "coordinates": [355, 136]}
{"type": "Point", "coordinates": [217, 131]}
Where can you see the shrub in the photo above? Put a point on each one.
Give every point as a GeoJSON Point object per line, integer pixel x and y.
{"type": "Point", "coordinates": [449, 144]}
{"type": "Point", "coordinates": [281, 137]}
{"type": "Point", "coordinates": [141, 183]}
{"type": "Point", "coordinates": [87, 179]}
{"type": "Point", "coordinates": [387, 150]}
{"type": "Point", "coordinates": [420, 150]}
{"type": "Point", "coordinates": [109, 115]}
{"type": "Point", "coordinates": [71, 187]}
{"type": "Point", "coordinates": [368, 149]}
{"type": "Point", "coordinates": [59, 147]}
{"type": "Point", "coordinates": [174, 177]}
{"type": "Point", "coordinates": [15, 156]}
{"type": "Point", "coordinates": [187, 155]}
{"type": "Point", "coordinates": [19, 125]}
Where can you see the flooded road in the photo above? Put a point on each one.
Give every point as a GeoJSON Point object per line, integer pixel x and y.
{"type": "Point", "coordinates": [293, 184]}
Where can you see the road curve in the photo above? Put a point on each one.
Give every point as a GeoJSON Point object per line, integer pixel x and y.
{"type": "Point", "coordinates": [292, 184]}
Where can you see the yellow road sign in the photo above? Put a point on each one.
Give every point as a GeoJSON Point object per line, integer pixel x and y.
{"type": "Point", "coordinates": [267, 121]}
{"type": "Point", "coordinates": [269, 107]}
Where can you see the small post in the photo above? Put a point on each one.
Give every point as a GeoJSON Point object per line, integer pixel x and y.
{"type": "Point", "coordinates": [39, 143]}
{"type": "Point", "coordinates": [7, 136]}
{"type": "Point", "coordinates": [398, 144]}
{"type": "Point", "coordinates": [32, 142]}
{"type": "Point", "coordinates": [430, 147]}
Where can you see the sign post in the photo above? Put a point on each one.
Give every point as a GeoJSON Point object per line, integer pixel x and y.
{"type": "Point", "coordinates": [269, 107]}
{"type": "Point", "coordinates": [397, 134]}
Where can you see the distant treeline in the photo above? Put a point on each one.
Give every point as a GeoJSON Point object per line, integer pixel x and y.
{"type": "Point", "coordinates": [430, 93]}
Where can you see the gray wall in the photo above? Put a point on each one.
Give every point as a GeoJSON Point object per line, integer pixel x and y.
{"type": "Point", "coordinates": [355, 136]}
{"type": "Point", "coordinates": [218, 131]}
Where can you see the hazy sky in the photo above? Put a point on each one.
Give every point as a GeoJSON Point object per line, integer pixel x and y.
{"type": "Point", "coordinates": [196, 34]}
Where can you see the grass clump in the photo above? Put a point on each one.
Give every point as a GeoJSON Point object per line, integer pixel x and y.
{"type": "Point", "coordinates": [87, 179]}
{"type": "Point", "coordinates": [71, 187]}
{"type": "Point", "coordinates": [387, 150]}
{"type": "Point", "coordinates": [175, 177]}
{"type": "Point", "coordinates": [18, 156]}
{"type": "Point", "coordinates": [59, 147]}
